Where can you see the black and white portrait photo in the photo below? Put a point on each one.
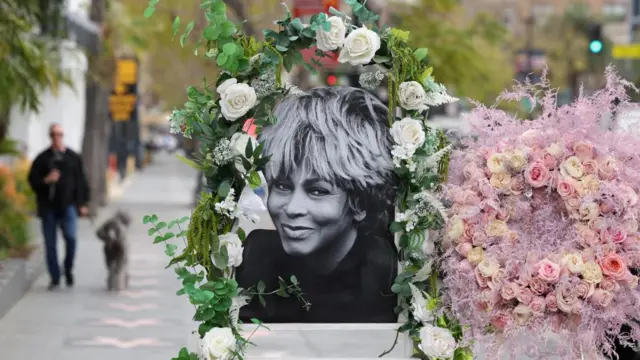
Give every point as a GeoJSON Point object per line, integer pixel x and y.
{"type": "Point", "coordinates": [330, 199]}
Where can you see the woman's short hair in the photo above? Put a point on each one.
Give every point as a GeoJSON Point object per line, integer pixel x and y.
{"type": "Point", "coordinates": [339, 134]}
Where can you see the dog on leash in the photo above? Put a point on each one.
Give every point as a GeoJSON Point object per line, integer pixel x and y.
{"type": "Point", "coordinates": [113, 234]}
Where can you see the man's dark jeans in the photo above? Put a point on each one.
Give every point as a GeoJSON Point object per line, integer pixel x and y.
{"type": "Point", "coordinates": [67, 221]}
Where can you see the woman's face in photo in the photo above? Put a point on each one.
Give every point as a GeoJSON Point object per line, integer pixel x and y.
{"type": "Point", "coordinates": [309, 213]}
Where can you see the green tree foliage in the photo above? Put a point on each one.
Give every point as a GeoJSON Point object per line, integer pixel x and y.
{"type": "Point", "coordinates": [29, 64]}
{"type": "Point", "coordinates": [466, 52]}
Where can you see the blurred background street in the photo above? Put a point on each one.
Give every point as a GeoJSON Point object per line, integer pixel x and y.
{"type": "Point", "coordinates": [111, 78]}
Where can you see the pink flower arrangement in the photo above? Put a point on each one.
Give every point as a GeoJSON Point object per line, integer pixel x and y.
{"type": "Point", "coordinates": [544, 224]}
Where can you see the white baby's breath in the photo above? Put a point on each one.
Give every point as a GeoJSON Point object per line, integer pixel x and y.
{"type": "Point", "coordinates": [227, 206]}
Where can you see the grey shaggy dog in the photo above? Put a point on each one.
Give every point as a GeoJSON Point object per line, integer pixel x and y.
{"type": "Point", "coordinates": [113, 234]}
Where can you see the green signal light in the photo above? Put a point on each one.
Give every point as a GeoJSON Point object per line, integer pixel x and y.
{"type": "Point", "coordinates": [595, 46]}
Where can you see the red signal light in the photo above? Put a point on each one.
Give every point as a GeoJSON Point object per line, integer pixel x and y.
{"type": "Point", "coordinates": [332, 80]}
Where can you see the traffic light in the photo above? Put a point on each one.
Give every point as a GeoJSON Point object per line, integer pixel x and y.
{"type": "Point", "coordinates": [332, 79]}
{"type": "Point", "coordinates": [594, 36]}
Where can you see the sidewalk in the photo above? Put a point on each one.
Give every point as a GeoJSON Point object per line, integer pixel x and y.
{"type": "Point", "coordinates": [147, 322]}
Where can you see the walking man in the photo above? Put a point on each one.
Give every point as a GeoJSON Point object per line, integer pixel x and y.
{"type": "Point", "coordinates": [58, 178]}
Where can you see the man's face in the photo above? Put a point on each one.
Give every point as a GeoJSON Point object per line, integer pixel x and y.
{"type": "Point", "coordinates": [57, 136]}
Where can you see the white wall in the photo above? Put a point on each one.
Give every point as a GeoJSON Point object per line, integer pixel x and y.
{"type": "Point", "coordinates": [67, 108]}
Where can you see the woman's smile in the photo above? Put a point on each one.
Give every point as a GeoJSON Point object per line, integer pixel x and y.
{"type": "Point", "coordinates": [296, 232]}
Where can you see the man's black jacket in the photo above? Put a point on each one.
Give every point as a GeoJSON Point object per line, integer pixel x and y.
{"type": "Point", "coordinates": [72, 189]}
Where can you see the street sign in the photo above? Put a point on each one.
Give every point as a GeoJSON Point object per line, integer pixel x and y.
{"type": "Point", "coordinates": [624, 51]}
{"type": "Point", "coordinates": [123, 99]}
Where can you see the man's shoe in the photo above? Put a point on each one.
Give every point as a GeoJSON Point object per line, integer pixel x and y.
{"type": "Point", "coordinates": [69, 278]}
{"type": "Point", "coordinates": [53, 286]}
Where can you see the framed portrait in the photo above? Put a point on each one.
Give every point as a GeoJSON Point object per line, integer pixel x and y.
{"type": "Point", "coordinates": [329, 195]}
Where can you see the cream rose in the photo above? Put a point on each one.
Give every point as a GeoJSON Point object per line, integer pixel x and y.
{"type": "Point", "coordinates": [573, 263]}
{"type": "Point", "coordinates": [464, 248]}
{"type": "Point", "coordinates": [475, 255]}
{"type": "Point", "coordinates": [334, 38]}
{"type": "Point", "coordinates": [589, 185]}
{"type": "Point", "coordinates": [218, 344]}
{"type": "Point", "coordinates": [496, 163]}
{"type": "Point", "coordinates": [500, 181]}
{"type": "Point", "coordinates": [408, 132]}
{"type": "Point", "coordinates": [555, 149]}
{"type": "Point", "coordinates": [232, 242]}
{"type": "Point", "coordinates": [548, 271]}
{"type": "Point", "coordinates": [360, 47]}
{"type": "Point", "coordinates": [437, 342]}
{"type": "Point", "coordinates": [237, 100]}
{"type": "Point", "coordinates": [583, 150]}
{"type": "Point", "coordinates": [589, 211]}
{"type": "Point", "coordinates": [496, 228]}
{"type": "Point", "coordinates": [455, 229]}
{"type": "Point", "coordinates": [572, 167]}
{"type": "Point", "coordinates": [516, 160]}
{"type": "Point", "coordinates": [239, 143]}
{"type": "Point", "coordinates": [411, 96]}
{"type": "Point", "coordinates": [537, 174]}
{"type": "Point", "coordinates": [592, 273]}
{"type": "Point", "coordinates": [488, 267]}
{"type": "Point", "coordinates": [521, 314]}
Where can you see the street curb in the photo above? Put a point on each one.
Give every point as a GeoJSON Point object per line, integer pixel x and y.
{"type": "Point", "coordinates": [16, 278]}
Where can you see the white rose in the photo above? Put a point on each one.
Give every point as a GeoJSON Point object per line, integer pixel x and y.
{"type": "Point", "coordinates": [236, 100]}
{"type": "Point", "coordinates": [572, 167]}
{"type": "Point", "coordinates": [234, 248]}
{"type": "Point", "coordinates": [412, 96]}
{"type": "Point", "coordinates": [238, 145]}
{"type": "Point", "coordinates": [334, 38]}
{"type": "Point", "coordinates": [218, 344]}
{"type": "Point", "coordinates": [222, 89]}
{"type": "Point", "coordinates": [556, 150]}
{"type": "Point", "coordinates": [408, 132]}
{"type": "Point", "coordinates": [360, 47]}
{"type": "Point", "coordinates": [428, 246]}
{"type": "Point", "coordinates": [573, 263]}
{"type": "Point", "coordinates": [437, 342]}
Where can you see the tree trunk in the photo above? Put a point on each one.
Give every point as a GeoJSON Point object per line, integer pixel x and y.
{"type": "Point", "coordinates": [97, 129]}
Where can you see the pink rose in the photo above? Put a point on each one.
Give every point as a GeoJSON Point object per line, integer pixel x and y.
{"type": "Point", "coordinates": [608, 284]}
{"type": "Point", "coordinates": [615, 234]}
{"type": "Point", "coordinates": [631, 281]}
{"type": "Point", "coordinates": [583, 150]}
{"type": "Point", "coordinates": [517, 185]}
{"type": "Point", "coordinates": [482, 281]}
{"type": "Point", "coordinates": [577, 307]}
{"type": "Point", "coordinates": [566, 297]}
{"type": "Point", "coordinates": [501, 320]}
{"type": "Point", "coordinates": [464, 248]}
{"type": "Point", "coordinates": [548, 271]}
{"type": "Point", "coordinates": [548, 160]}
{"type": "Point", "coordinates": [469, 230]}
{"type": "Point", "coordinates": [524, 296]}
{"type": "Point", "coordinates": [467, 197]}
{"type": "Point", "coordinates": [598, 224]}
{"type": "Point", "coordinates": [551, 301]}
{"type": "Point", "coordinates": [538, 286]}
{"type": "Point", "coordinates": [479, 238]}
{"type": "Point", "coordinates": [538, 305]}
{"type": "Point", "coordinates": [607, 167]}
{"type": "Point", "coordinates": [606, 206]}
{"type": "Point", "coordinates": [590, 167]}
{"type": "Point", "coordinates": [566, 188]}
{"type": "Point", "coordinates": [465, 266]}
{"type": "Point", "coordinates": [584, 289]}
{"type": "Point", "coordinates": [497, 280]}
{"type": "Point", "coordinates": [472, 172]}
{"type": "Point", "coordinates": [502, 214]}
{"type": "Point", "coordinates": [614, 266]}
{"type": "Point", "coordinates": [509, 291]}
{"type": "Point", "coordinates": [601, 297]}
{"type": "Point", "coordinates": [537, 174]}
